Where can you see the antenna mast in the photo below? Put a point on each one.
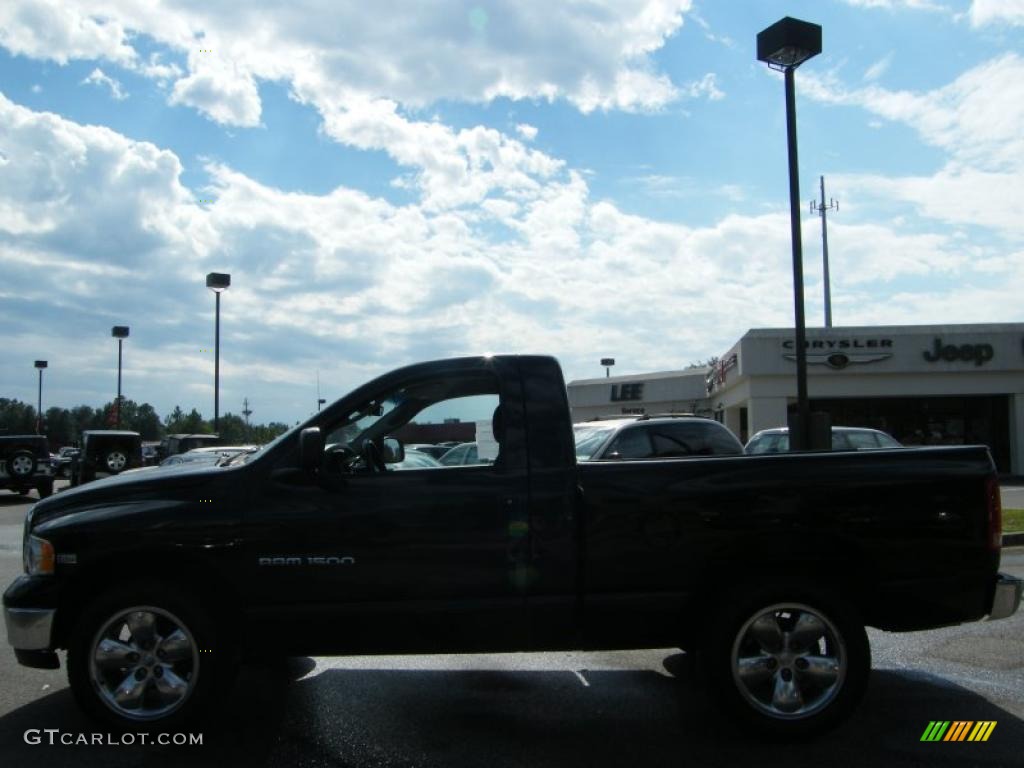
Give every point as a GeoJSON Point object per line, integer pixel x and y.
{"type": "Point", "coordinates": [821, 208]}
{"type": "Point", "coordinates": [247, 412]}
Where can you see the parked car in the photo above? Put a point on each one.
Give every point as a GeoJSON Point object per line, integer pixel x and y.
{"type": "Point", "coordinates": [462, 455]}
{"type": "Point", "coordinates": [653, 437]}
{"type": "Point", "coordinates": [25, 464]}
{"type": "Point", "coordinates": [415, 459]}
{"type": "Point", "coordinates": [435, 451]}
{"type": "Point", "coordinates": [843, 439]}
{"type": "Point", "coordinates": [769, 567]}
{"type": "Point", "coordinates": [65, 457]}
{"type": "Point", "coordinates": [181, 443]}
{"type": "Point", "coordinates": [106, 452]}
{"type": "Point", "coordinates": [207, 455]}
{"type": "Point", "coordinates": [151, 453]}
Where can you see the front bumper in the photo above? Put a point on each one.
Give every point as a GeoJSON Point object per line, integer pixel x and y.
{"type": "Point", "coordinates": [1006, 599]}
{"type": "Point", "coordinates": [30, 613]}
{"type": "Point", "coordinates": [30, 629]}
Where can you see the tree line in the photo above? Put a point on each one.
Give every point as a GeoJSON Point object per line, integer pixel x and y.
{"type": "Point", "coordinates": [64, 426]}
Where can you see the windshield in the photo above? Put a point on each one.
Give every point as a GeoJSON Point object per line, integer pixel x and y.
{"type": "Point", "coordinates": [589, 439]}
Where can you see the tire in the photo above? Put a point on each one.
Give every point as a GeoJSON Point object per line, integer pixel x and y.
{"type": "Point", "coordinates": [44, 489]}
{"type": "Point", "coordinates": [146, 658]}
{"type": "Point", "coordinates": [21, 464]}
{"type": "Point", "coordinates": [115, 460]}
{"type": "Point", "coordinates": [788, 662]}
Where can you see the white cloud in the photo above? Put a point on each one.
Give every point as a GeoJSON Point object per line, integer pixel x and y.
{"type": "Point", "coordinates": [97, 77]}
{"type": "Point", "coordinates": [50, 29]}
{"type": "Point", "coordinates": [916, 5]}
{"type": "Point", "coordinates": [596, 56]}
{"type": "Point", "coordinates": [343, 281]}
{"type": "Point", "coordinates": [220, 89]}
{"type": "Point", "coordinates": [528, 132]}
{"type": "Point", "coordinates": [879, 68]}
{"type": "Point", "coordinates": [975, 120]}
{"type": "Point", "coordinates": [707, 86]}
{"type": "Point", "coordinates": [984, 12]}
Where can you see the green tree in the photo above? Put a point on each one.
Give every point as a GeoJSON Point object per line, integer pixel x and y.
{"type": "Point", "coordinates": [60, 428]}
{"type": "Point", "coordinates": [147, 422]}
{"type": "Point", "coordinates": [83, 417]}
{"type": "Point", "coordinates": [174, 420]}
{"type": "Point", "coordinates": [232, 430]}
{"type": "Point", "coordinates": [16, 417]}
{"type": "Point", "coordinates": [264, 433]}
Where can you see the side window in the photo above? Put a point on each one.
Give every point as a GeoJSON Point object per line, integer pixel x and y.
{"type": "Point", "coordinates": [840, 442]}
{"type": "Point", "coordinates": [677, 440]}
{"type": "Point", "coordinates": [861, 440]}
{"type": "Point", "coordinates": [694, 439]}
{"type": "Point", "coordinates": [428, 412]}
{"type": "Point", "coordinates": [632, 443]}
{"type": "Point", "coordinates": [884, 441]}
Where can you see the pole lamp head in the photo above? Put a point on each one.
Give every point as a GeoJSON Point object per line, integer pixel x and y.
{"type": "Point", "coordinates": [40, 364]}
{"type": "Point", "coordinates": [218, 281]}
{"type": "Point", "coordinates": [788, 43]}
{"type": "Point", "coordinates": [119, 331]}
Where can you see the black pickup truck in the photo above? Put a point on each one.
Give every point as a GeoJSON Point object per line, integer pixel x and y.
{"type": "Point", "coordinates": [766, 568]}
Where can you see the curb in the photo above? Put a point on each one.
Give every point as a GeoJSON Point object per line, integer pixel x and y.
{"type": "Point", "coordinates": [1013, 539]}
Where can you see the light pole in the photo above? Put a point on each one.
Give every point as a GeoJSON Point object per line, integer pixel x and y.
{"type": "Point", "coordinates": [217, 282]}
{"type": "Point", "coordinates": [784, 46]}
{"type": "Point", "coordinates": [119, 332]}
{"type": "Point", "coordinates": [40, 364]}
{"type": "Point", "coordinates": [607, 362]}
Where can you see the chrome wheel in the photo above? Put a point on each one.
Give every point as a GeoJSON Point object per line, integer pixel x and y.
{"type": "Point", "coordinates": [22, 465]}
{"type": "Point", "coordinates": [789, 661]}
{"type": "Point", "coordinates": [116, 461]}
{"type": "Point", "coordinates": [144, 663]}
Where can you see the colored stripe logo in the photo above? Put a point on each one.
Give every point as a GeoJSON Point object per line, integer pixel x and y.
{"type": "Point", "coordinates": [958, 730]}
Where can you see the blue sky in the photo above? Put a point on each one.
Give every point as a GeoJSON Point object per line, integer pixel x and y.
{"type": "Point", "coordinates": [587, 180]}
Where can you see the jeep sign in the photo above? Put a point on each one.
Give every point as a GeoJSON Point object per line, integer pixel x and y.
{"type": "Point", "coordinates": [979, 354]}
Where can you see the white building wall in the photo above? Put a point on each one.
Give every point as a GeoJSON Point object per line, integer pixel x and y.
{"type": "Point", "coordinates": [765, 413]}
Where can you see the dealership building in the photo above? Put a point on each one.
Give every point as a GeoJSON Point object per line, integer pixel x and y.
{"type": "Point", "coordinates": [924, 385]}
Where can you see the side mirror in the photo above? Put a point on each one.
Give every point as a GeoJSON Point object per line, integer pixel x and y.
{"type": "Point", "coordinates": [311, 449]}
{"type": "Point", "coordinates": [392, 450]}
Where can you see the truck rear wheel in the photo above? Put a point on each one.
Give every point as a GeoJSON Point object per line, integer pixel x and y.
{"type": "Point", "coordinates": [145, 658]}
{"type": "Point", "coordinates": [788, 663]}
{"type": "Point", "coordinates": [115, 460]}
{"type": "Point", "coordinates": [21, 464]}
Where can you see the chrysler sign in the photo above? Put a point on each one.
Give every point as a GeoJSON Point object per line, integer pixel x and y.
{"type": "Point", "coordinates": [839, 353]}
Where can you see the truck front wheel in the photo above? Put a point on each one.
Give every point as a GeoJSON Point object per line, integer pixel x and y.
{"type": "Point", "coordinates": [145, 657]}
{"type": "Point", "coordinates": [788, 664]}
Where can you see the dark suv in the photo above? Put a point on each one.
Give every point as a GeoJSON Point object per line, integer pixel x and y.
{"type": "Point", "coordinates": [106, 452]}
{"type": "Point", "coordinates": [653, 437]}
{"type": "Point", "coordinates": [25, 464]}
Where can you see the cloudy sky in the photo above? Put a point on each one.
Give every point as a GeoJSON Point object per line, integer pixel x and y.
{"type": "Point", "coordinates": [392, 182]}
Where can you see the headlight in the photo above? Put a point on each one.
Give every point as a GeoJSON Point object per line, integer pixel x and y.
{"type": "Point", "coordinates": [38, 557]}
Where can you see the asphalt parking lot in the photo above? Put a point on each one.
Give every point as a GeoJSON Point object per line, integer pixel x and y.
{"type": "Point", "coordinates": [553, 709]}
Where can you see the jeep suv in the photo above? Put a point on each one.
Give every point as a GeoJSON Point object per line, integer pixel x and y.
{"type": "Point", "coordinates": [106, 452]}
{"type": "Point", "coordinates": [659, 436]}
{"type": "Point", "coordinates": [25, 464]}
